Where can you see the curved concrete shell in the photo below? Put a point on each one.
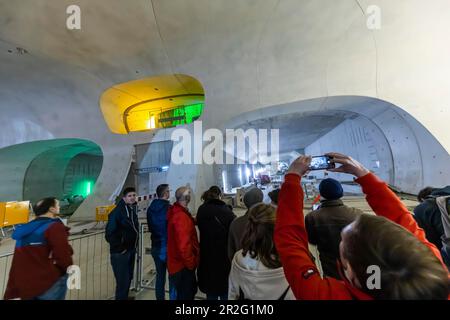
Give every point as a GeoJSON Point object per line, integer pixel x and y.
{"type": "Point", "coordinates": [255, 59]}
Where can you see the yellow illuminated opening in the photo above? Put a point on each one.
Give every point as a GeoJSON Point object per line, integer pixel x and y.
{"type": "Point", "coordinates": [151, 123]}
{"type": "Point", "coordinates": [157, 102]}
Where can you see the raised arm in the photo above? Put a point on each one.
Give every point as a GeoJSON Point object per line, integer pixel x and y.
{"type": "Point", "coordinates": [381, 199]}
{"type": "Point", "coordinates": [291, 241]}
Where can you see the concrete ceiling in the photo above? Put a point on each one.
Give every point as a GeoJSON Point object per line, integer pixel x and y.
{"type": "Point", "coordinates": [247, 53]}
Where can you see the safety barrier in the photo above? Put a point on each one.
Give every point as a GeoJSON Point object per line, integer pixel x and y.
{"type": "Point", "coordinates": [102, 212]}
{"type": "Point", "coordinates": [143, 202]}
{"type": "Point", "coordinates": [145, 271]}
{"type": "Point", "coordinates": [91, 255]}
{"type": "Point", "coordinates": [13, 213]}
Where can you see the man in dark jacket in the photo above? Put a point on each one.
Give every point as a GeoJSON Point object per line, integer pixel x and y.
{"type": "Point", "coordinates": [238, 226]}
{"type": "Point", "coordinates": [324, 225]}
{"type": "Point", "coordinates": [122, 233]}
{"type": "Point", "coordinates": [213, 219]}
{"type": "Point", "coordinates": [41, 257]}
{"type": "Point", "coordinates": [428, 216]}
{"type": "Point", "coordinates": [157, 225]}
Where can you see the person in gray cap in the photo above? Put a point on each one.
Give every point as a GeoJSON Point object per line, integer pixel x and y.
{"type": "Point", "coordinates": [238, 226]}
{"type": "Point", "coordinates": [324, 225]}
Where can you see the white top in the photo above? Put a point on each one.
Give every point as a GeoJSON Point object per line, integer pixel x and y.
{"type": "Point", "coordinates": [257, 281]}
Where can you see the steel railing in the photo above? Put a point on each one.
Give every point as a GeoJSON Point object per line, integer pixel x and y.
{"type": "Point", "coordinates": [91, 255]}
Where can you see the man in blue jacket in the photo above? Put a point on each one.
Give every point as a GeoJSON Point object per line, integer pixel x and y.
{"type": "Point", "coordinates": [122, 233]}
{"type": "Point", "coordinates": [157, 224]}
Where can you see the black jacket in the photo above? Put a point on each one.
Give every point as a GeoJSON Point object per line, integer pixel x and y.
{"type": "Point", "coordinates": [122, 230]}
{"type": "Point", "coordinates": [213, 219]}
{"type": "Point", "coordinates": [324, 228]}
{"type": "Point", "coordinates": [428, 216]}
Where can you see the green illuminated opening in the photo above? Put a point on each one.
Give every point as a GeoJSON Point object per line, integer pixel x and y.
{"type": "Point", "coordinates": [83, 188]}
{"type": "Point", "coordinates": [88, 188]}
{"type": "Point", "coordinates": [181, 115]}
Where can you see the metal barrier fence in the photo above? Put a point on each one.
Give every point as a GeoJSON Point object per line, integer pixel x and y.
{"type": "Point", "coordinates": [91, 254]}
{"type": "Point", "coordinates": [145, 271]}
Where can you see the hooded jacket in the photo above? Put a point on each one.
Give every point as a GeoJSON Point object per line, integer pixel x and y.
{"type": "Point", "coordinates": [182, 242]}
{"type": "Point", "coordinates": [256, 281]}
{"type": "Point", "coordinates": [157, 225]}
{"type": "Point", "coordinates": [291, 239]}
{"type": "Point", "coordinates": [428, 216]}
{"type": "Point", "coordinates": [122, 229]}
{"type": "Point", "coordinates": [41, 256]}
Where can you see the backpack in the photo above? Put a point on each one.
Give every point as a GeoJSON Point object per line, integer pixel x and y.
{"type": "Point", "coordinates": [443, 204]}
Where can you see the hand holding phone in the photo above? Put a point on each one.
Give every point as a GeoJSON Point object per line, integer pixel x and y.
{"type": "Point", "coordinates": [321, 163]}
{"type": "Point", "coordinates": [348, 165]}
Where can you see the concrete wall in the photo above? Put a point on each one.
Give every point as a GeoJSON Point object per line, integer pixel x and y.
{"type": "Point", "coordinates": [417, 157]}
{"type": "Point", "coordinates": [361, 139]}
{"type": "Point", "coordinates": [40, 166]}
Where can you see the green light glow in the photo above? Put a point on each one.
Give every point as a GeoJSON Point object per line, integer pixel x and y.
{"type": "Point", "coordinates": [88, 188]}
{"type": "Point", "coordinates": [83, 188]}
{"type": "Point", "coordinates": [184, 114]}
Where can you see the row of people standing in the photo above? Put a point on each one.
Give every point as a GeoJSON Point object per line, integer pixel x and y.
{"type": "Point", "coordinates": [258, 271]}
{"type": "Point", "coordinates": [235, 257]}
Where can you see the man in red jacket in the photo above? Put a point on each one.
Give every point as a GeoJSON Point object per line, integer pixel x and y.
{"type": "Point", "coordinates": [381, 257]}
{"type": "Point", "coordinates": [182, 246]}
{"type": "Point", "coordinates": [41, 257]}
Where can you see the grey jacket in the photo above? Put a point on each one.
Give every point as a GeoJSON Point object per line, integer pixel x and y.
{"type": "Point", "coordinates": [237, 229]}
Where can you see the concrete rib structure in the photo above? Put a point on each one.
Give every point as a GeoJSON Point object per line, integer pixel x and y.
{"type": "Point", "coordinates": [308, 60]}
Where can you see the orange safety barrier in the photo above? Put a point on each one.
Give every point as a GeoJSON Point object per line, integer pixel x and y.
{"type": "Point", "coordinates": [102, 212]}
{"type": "Point", "coordinates": [15, 212]}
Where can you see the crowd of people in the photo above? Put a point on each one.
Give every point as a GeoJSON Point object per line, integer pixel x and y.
{"type": "Point", "coordinates": [263, 254]}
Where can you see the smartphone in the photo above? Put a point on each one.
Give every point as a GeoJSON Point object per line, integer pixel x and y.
{"type": "Point", "coordinates": [321, 163]}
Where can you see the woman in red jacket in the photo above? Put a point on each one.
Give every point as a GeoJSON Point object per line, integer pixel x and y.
{"type": "Point", "coordinates": [381, 257]}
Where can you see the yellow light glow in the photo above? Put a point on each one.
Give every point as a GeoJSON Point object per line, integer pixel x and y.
{"type": "Point", "coordinates": [126, 106]}
{"type": "Point", "coordinates": [151, 123]}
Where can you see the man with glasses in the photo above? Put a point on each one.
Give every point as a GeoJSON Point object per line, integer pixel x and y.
{"type": "Point", "coordinates": [157, 225]}
{"type": "Point", "coordinates": [122, 235]}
